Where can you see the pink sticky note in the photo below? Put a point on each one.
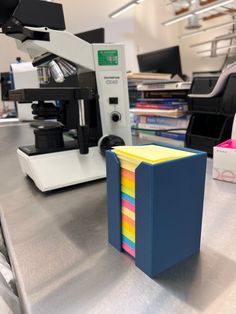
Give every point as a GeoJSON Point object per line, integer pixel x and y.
{"type": "Point", "coordinates": [128, 205]}
{"type": "Point", "coordinates": [128, 249]}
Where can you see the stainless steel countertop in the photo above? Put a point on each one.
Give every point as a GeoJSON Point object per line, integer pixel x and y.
{"type": "Point", "coordinates": [58, 243]}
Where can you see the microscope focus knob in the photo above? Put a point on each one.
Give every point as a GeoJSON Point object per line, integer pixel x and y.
{"type": "Point", "coordinates": [109, 141]}
{"type": "Point", "coordinates": [49, 138]}
{"type": "Point", "coordinates": [115, 116]}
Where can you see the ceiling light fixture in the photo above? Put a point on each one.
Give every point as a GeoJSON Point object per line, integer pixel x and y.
{"type": "Point", "coordinates": [213, 6]}
{"type": "Point", "coordinates": [125, 8]}
{"type": "Point", "coordinates": [177, 19]}
{"type": "Point", "coordinates": [198, 11]}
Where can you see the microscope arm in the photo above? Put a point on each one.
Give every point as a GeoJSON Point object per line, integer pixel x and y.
{"type": "Point", "coordinates": [62, 44]}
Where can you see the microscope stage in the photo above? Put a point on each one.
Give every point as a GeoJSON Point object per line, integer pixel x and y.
{"type": "Point", "coordinates": [45, 94]}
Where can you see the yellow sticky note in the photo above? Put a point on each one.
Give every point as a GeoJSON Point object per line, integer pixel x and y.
{"type": "Point", "coordinates": [126, 226]}
{"type": "Point", "coordinates": [128, 234]}
{"type": "Point", "coordinates": [149, 153]}
{"type": "Point", "coordinates": [128, 183]}
{"type": "Point", "coordinates": [128, 213]}
{"type": "Point", "coordinates": [128, 165]}
{"type": "Point", "coordinates": [128, 191]}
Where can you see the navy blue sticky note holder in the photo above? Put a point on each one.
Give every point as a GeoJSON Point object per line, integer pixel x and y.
{"type": "Point", "coordinates": [168, 209]}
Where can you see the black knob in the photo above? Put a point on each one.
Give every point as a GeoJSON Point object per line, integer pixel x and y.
{"type": "Point", "coordinates": [115, 116]}
{"type": "Point", "coordinates": [49, 138]}
{"type": "Point", "coordinates": [110, 141]}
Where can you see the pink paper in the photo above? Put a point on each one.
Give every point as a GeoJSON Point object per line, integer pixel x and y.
{"type": "Point", "coordinates": [231, 144]}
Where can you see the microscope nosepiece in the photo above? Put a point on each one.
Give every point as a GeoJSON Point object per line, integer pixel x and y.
{"type": "Point", "coordinates": [56, 72]}
{"type": "Point", "coordinates": [67, 68]}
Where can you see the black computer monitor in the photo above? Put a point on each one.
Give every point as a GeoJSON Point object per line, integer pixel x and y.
{"type": "Point", "coordinates": [161, 61]}
{"type": "Point", "coordinates": [95, 36]}
{"type": "Point", "coordinates": [7, 7]}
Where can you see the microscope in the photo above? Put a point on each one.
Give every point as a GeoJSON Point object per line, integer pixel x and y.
{"type": "Point", "coordinates": [98, 109]}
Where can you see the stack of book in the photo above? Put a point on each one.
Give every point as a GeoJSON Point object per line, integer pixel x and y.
{"type": "Point", "coordinates": [137, 79]}
{"type": "Point", "coordinates": [169, 137]}
{"type": "Point", "coordinates": [142, 76]}
{"type": "Point", "coordinates": [134, 94]}
{"type": "Point", "coordinates": [161, 119]}
{"type": "Point", "coordinates": [161, 85]}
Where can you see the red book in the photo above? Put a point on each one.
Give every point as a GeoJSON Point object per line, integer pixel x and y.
{"type": "Point", "coordinates": [154, 106]}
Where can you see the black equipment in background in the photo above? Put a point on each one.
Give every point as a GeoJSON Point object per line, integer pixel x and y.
{"type": "Point", "coordinates": [212, 118]}
{"type": "Point", "coordinates": [6, 85]}
{"type": "Point", "coordinates": [162, 61]}
{"type": "Point", "coordinates": [6, 10]}
{"type": "Point", "coordinates": [33, 13]}
{"type": "Point", "coordinates": [95, 36]}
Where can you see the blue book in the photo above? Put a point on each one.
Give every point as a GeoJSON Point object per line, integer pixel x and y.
{"type": "Point", "coordinates": [162, 100]}
{"type": "Point", "coordinates": [180, 122]}
{"type": "Point", "coordinates": [171, 135]}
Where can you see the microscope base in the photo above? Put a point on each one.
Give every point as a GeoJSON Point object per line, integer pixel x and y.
{"type": "Point", "coordinates": [57, 170]}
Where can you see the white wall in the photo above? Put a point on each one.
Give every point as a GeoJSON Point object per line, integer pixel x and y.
{"type": "Point", "coordinates": [9, 53]}
{"type": "Point", "coordinates": [149, 33]}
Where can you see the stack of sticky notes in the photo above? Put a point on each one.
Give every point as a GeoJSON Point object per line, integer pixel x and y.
{"type": "Point", "coordinates": [128, 210]}
{"type": "Point", "coordinates": [130, 158]}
